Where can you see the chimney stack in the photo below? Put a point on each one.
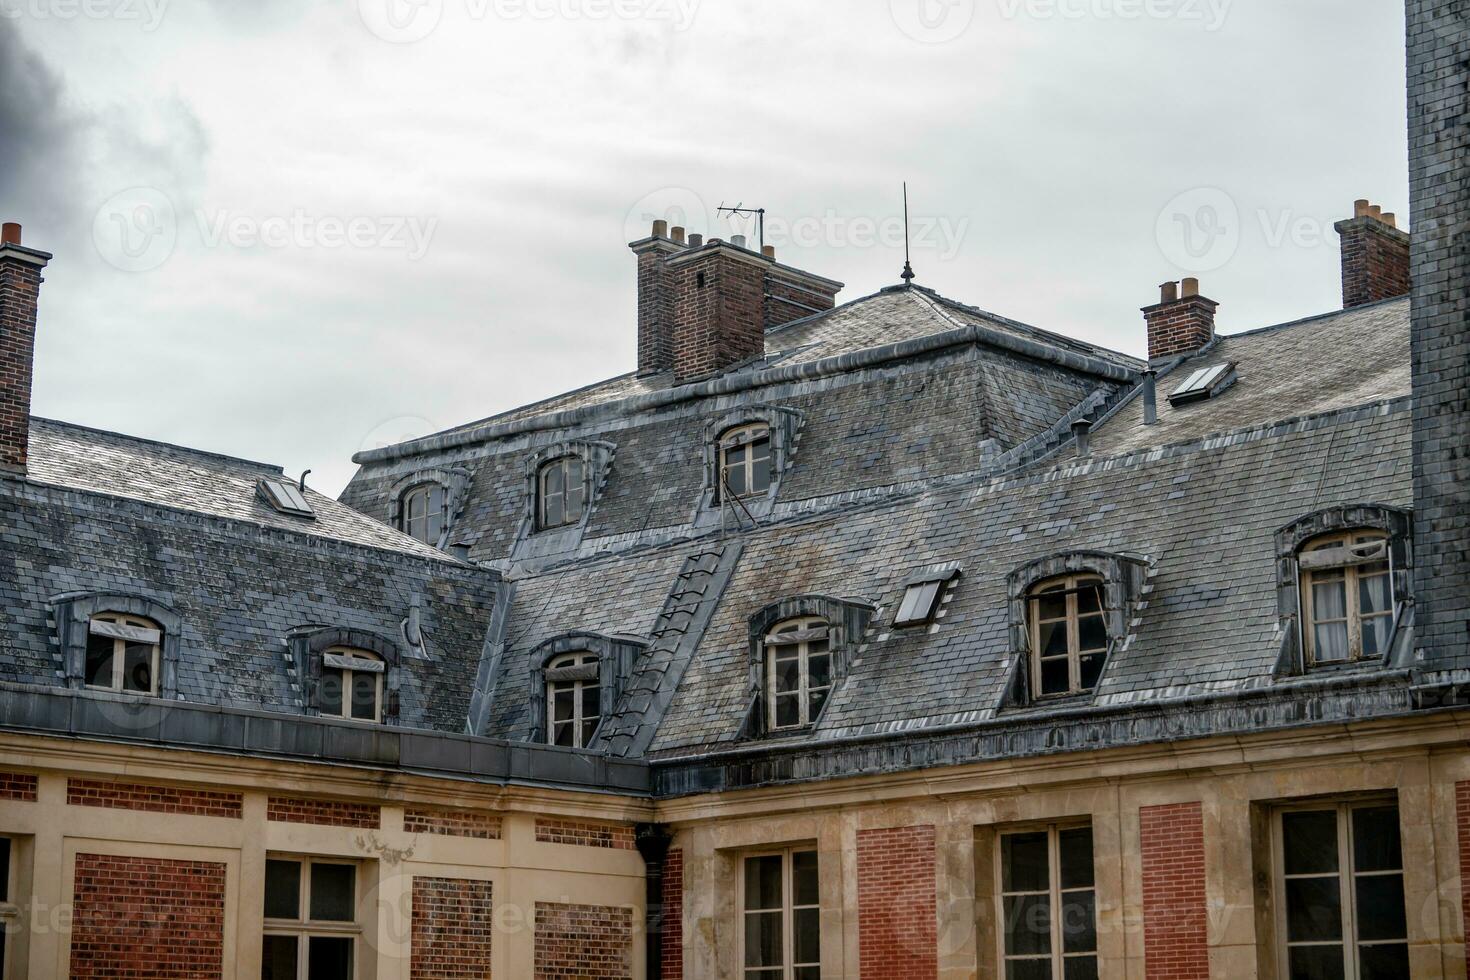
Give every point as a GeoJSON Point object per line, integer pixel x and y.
{"type": "Point", "coordinates": [1182, 322]}
{"type": "Point", "coordinates": [704, 306]}
{"type": "Point", "coordinates": [1375, 256]}
{"type": "Point", "coordinates": [20, 288]}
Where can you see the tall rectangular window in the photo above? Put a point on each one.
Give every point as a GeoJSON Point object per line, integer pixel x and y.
{"type": "Point", "coordinates": [1340, 882]}
{"type": "Point", "coordinates": [1048, 904]}
{"type": "Point", "coordinates": [9, 914]}
{"type": "Point", "coordinates": [781, 927]}
{"type": "Point", "coordinates": [311, 927]}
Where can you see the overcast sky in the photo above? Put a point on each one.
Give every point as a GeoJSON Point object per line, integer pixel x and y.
{"type": "Point", "coordinates": [300, 229]}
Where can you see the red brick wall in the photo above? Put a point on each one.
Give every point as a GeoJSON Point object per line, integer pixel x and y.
{"type": "Point", "coordinates": [1462, 824]}
{"type": "Point", "coordinates": [671, 942]}
{"type": "Point", "coordinates": [721, 323]}
{"type": "Point", "coordinates": [147, 918]}
{"type": "Point", "coordinates": [20, 288]}
{"type": "Point", "coordinates": [655, 312]}
{"type": "Point", "coordinates": [18, 786]}
{"type": "Point", "coordinates": [452, 823]}
{"type": "Point", "coordinates": [583, 942]}
{"type": "Point", "coordinates": [452, 929]}
{"type": "Point", "coordinates": [1375, 262]}
{"type": "Point", "coordinates": [325, 813]}
{"type": "Point", "coordinates": [898, 918]}
{"type": "Point", "coordinates": [1175, 940]}
{"type": "Point", "coordinates": [585, 834]}
{"type": "Point", "coordinates": [1180, 327]}
{"type": "Point", "coordinates": [790, 298]}
{"type": "Point", "coordinates": [156, 799]}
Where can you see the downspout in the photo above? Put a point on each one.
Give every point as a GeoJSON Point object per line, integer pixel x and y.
{"type": "Point", "coordinates": [653, 841]}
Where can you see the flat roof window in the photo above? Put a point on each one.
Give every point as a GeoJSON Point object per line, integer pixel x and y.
{"type": "Point", "coordinates": [1204, 383]}
{"type": "Point", "coordinates": [286, 498]}
{"type": "Point", "coordinates": [922, 597]}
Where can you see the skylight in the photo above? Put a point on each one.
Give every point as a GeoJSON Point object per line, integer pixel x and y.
{"type": "Point", "coordinates": [922, 597]}
{"type": "Point", "coordinates": [284, 496]}
{"type": "Point", "coordinates": [1204, 383]}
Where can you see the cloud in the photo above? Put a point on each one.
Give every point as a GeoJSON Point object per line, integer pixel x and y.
{"type": "Point", "coordinates": [38, 183]}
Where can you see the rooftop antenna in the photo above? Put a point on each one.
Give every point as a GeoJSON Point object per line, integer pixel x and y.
{"type": "Point", "coordinates": [908, 267]}
{"type": "Point", "coordinates": [744, 212]}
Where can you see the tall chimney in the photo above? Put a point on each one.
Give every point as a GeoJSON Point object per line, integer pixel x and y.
{"type": "Point", "coordinates": [1439, 144]}
{"type": "Point", "coordinates": [20, 288]}
{"type": "Point", "coordinates": [655, 304]}
{"type": "Point", "coordinates": [1375, 257]}
{"type": "Point", "coordinates": [1182, 322]}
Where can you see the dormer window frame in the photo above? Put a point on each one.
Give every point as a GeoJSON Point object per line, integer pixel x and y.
{"type": "Point", "coordinates": [317, 652]}
{"type": "Point", "coordinates": [750, 473]}
{"type": "Point", "coordinates": [571, 469]}
{"type": "Point", "coordinates": [454, 482]}
{"type": "Point", "coordinates": [845, 621]}
{"type": "Point", "coordinates": [75, 614]}
{"type": "Point", "coordinates": [615, 658]}
{"type": "Point", "coordinates": [349, 664]}
{"type": "Point", "coordinates": [596, 459]}
{"type": "Point", "coordinates": [418, 508]}
{"type": "Point", "coordinates": [782, 428]}
{"type": "Point", "coordinates": [120, 635]}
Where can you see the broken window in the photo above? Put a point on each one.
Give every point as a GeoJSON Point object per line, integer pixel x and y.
{"type": "Point", "coordinates": [1069, 636]}
{"type": "Point", "coordinates": [1347, 597]}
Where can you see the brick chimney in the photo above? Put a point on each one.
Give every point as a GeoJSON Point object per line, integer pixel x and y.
{"type": "Point", "coordinates": [1181, 323]}
{"type": "Point", "coordinates": [705, 307]}
{"type": "Point", "coordinates": [20, 287]}
{"type": "Point", "coordinates": [1375, 257]}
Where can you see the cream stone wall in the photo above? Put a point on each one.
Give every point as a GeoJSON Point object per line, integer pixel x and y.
{"type": "Point", "coordinates": [523, 871]}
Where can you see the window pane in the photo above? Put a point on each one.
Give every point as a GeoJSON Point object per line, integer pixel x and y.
{"type": "Point", "coordinates": [1313, 910]}
{"type": "Point", "coordinates": [763, 939]}
{"type": "Point", "coordinates": [365, 696]}
{"type": "Point", "coordinates": [788, 671]}
{"type": "Point", "coordinates": [278, 958]}
{"type": "Point", "coordinates": [1309, 841]}
{"type": "Point", "coordinates": [1079, 922]}
{"type": "Point", "coordinates": [1089, 599]}
{"type": "Point", "coordinates": [1028, 924]}
{"type": "Point", "coordinates": [1381, 908]}
{"type": "Point", "coordinates": [1384, 962]}
{"type": "Point", "coordinates": [808, 973]}
{"type": "Point", "coordinates": [1028, 970]}
{"type": "Point", "coordinates": [788, 710]}
{"type": "Point", "coordinates": [1091, 634]}
{"type": "Point", "coordinates": [589, 732]}
{"type": "Point", "coordinates": [329, 958]}
{"type": "Point", "coordinates": [735, 480]}
{"type": "Point", "coordinates": [553, 515]}
{"type": "Point", "coordinates": [1076, 857]}
{"type": "Point", "coordinates": [329, 692]}
{"type": "Point", "coordinates": [763, 882]}
{"type": "Point", "coordinates": [562, 733]}
{"type": "Point", "coordinates": [1055, 677]}
{"type": "Point", "coordinates": [1024, 863]}
{"type": "Point", "coordinates": [1376, 844]}
{"type": "Point", "coordinates": [1091, 669]}
{"type": "Point", "coordinates": [818, 701]}
{"type": "Point", "coordinates": [1329, 600]}
{"type": "Point", "coordinates": [1051, 607]}
{"type": "Point", "coordinates": [138, 667]}
{"type": "Point", "coordinates": [1375, 635]}
{"type": "Point", "coordinates": [1053, 639]}
{"type": "Point", "coordinates": [283, 889]}
{"type": "Point", "coordinates": [591, 701]}
{"type": "Point", "coordinates": [333, 898]}
{"type": "Point", "coordinates": [563, 702]}
{"type": "Point", "coordinates": [760, 468]}
{"type": "Point", "coordinates": [1331, 643]}
{"type": "Point", "coordinates": [806, 936]}
{"type": "Point", "coordinates": [1081, 968]}
{"type": "Point", "coordinates": [99, 661]}
{"type": "Point", "coordinates": [1373, 593]}
{"type": "Point", "coordinates": [804, 877]}
{"type": "Point", "coordinates": [819, 667]}
{"type": "Point", "coordinates": [1316, 963]}
{"type": "Point", "coordinates": [574, 497]}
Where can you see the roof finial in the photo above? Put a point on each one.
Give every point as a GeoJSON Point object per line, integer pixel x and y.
{"type": "Point", "coordinates": [908, 267]}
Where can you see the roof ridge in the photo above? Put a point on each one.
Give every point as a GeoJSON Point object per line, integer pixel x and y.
{"type": "Point", "coordinates": [1042, 333]}
{"type": "Point", "coordinates": [1303, 321]}
{"type": "Point", "coordinates": [208, 454]}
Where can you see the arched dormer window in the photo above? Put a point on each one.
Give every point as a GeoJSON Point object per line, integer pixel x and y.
{"type": "Point", "coordinates": [573, 700]}
{"type": "Point", "coordinates": [561, 493]}
{"type": "Point", "coordinates": [1069, 637]}
{"type": "Point", "coordinates": [746, 461]}
{"type": "Point", "coordinates": [124, 653]}
{"type": "Point", "coordinates": [1347, 597]}
{"type": "Point", "coordinates": [424, 512]}
{"type": "Point", "coordinates": [351, 684]}
{"type": "Point", "coordinates": [798, 672]}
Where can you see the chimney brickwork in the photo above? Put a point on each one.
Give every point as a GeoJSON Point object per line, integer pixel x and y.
{"type": "Point", "coordinates": [1439, 144]}
{"type": "Point", "coordinates": [20, 289]}
{"type": "Point", "coordinates": [1180, 323]}
{"type": "Point", "coordinates": [1375, 257]}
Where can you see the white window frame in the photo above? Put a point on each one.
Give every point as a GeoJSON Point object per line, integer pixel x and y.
{"type": "Point", "coordinates": [407, 519]}
{"type": "Point", "coordinates": [543, 496]}
{"type": "Point", "coordinates": [804, 675]}
{"type": "Point", "coordinates": [1055, 893]}
{"type": "Point", "coordinates": [578, 658]}
{"type": "Point", "coordinates": [789, 908]}
{"type": "Point", "coordinates": [1070, 584]}
{"type": "Point", "coordinates": [119, 650]}
{"type": "Point", "coordinates": [744, 435]}
{"type": "Point", "coordinates": [305, 927]}
{"type": "Point", "coordinates": [1346, 876]}
{"type": "Point", "coordinates": [371, 664]}
{"type": "Point", "coordinates": [1352, 596]}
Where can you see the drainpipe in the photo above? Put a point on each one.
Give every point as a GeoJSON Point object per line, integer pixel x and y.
{"type": "Point", "coordinates": [1150, 397]}
{"type": "Point", "coordinates": [653, 841]}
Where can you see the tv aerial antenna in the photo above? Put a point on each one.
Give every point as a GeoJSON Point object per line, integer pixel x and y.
{"type": "Point", "coordinates": [908, 267]}
{"type": "Point", "coordinates": [745, 212]}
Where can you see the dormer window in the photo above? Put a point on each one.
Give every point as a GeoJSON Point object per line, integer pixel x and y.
{"type": "Point", "coordinates": [424, 512]}
{"type": "Point", "coordinates": [352, 684]}
{"type": "Point", "coordinates": [1347, 597]}
{"type": "Point", "coordinates": [1069, 636]}
{"type": "Point", "coordinates": [561, 493]}
{"type": "Point", "coordinates": [745, 461]}
{"type": "Point", "coordinates": [798, 672]}
{"type": "Point", "coordinates": [123, 654]}
{"type": "Point", "coordinates": [573, 700]}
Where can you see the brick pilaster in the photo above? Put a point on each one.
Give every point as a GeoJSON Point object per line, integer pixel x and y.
{"type": "Point", "coordinates": [898, 913]}
{"type": "Point", "coordinates": [1175, 933]}
{"type": "Point", "coordinates": [671, 941]}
